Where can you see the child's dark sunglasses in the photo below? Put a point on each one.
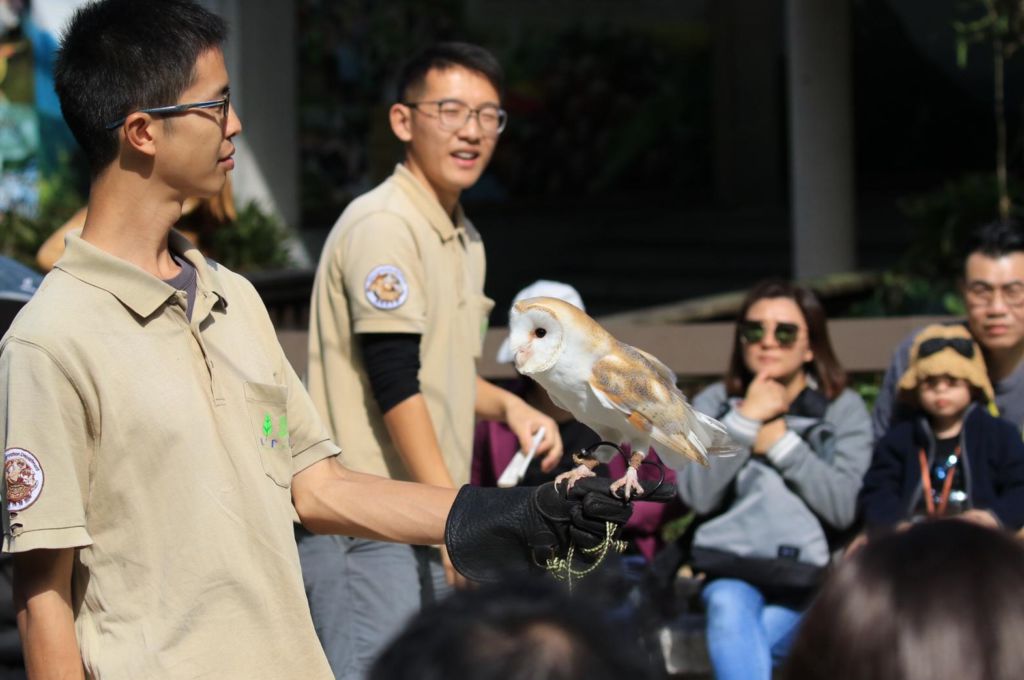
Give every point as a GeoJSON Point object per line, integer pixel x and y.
{"type": "Point", "coordinates": [752, 332]}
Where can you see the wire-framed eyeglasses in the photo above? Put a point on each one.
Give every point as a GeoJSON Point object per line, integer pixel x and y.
{"type": "Point", "coordinates": [453, 114]}
{"type": "Point", "coordinates": [983, 294]}
{"type": "Point", "coordinates": [224, 104]}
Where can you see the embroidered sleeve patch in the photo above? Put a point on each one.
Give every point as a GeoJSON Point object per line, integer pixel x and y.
{"type": "Point", "coordinates": [24, 477]}
{"type": "Point", "coordinates": [386, 287]}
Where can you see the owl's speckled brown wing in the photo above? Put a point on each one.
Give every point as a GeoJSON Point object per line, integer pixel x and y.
{"type": "Point", "coordinates": [627, 381]}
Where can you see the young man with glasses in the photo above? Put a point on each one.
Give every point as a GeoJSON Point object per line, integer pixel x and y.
{"type": "Point", "coordinates": [157, 445]}
{"type": "Point", "coordinates": [993, 290]}
{"type": "Point", "coordinates": [397, 323]}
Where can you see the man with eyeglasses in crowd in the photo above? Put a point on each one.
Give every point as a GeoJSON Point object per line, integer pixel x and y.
{"type": "Point", "coordinates": [398, 316]}
{"type": "Point", "coordinates": [993, 291]}
{"type": "Point", "coordinates": [157, 444]}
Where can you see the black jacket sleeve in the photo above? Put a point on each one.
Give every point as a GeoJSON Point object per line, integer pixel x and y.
{"type": "Point", "coordinates": [1009, 477]}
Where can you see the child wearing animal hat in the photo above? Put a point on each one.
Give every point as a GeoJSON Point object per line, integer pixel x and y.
{"type": "Point", "coordinates": [953, 459]}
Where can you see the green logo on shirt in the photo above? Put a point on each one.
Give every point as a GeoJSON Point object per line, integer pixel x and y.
{"type": "Point", "coordinates": [267, 438]}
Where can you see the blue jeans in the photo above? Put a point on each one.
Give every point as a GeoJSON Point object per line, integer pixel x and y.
{"type": "Point", "coordinates": [361, 594]}
{"type": "Point", "coordinates": [745, 635]}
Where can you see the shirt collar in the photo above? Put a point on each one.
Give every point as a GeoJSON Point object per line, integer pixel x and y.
{"type": "Point", "coordinates": [428, 204]}
{"type": "Point", "coordinates": [135, 288]}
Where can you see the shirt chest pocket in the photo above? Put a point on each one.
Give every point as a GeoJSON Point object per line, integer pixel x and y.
{"type": "Point", "coordinates": [268, 420]}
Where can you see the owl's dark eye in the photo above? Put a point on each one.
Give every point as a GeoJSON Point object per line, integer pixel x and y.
{"type": "Point", "coordinates": [541, 332]}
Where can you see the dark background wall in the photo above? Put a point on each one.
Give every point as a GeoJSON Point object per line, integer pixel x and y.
{"type": "Point", "coordinates": [646, 155]}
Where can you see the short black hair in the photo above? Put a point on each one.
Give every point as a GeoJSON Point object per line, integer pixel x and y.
{"type": "Point", "coordinates": [995, 239]}
{"type": "Point", "coordinates": [516, 630]}
{"type": "Point", "coordinates": [118, 56]}
{"type": "Point", "coordinates": [446, 55]}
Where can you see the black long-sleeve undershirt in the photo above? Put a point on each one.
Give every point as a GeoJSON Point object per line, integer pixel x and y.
{"type": "Point", "coordinates": [392, 363]}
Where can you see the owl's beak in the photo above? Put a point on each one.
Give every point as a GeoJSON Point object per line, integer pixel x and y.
{"type": "Point", "coordinates": [519, 358]}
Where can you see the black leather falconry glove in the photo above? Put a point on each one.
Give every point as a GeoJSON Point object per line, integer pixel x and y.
{"type": "Point", "coordinates": [506, 532]}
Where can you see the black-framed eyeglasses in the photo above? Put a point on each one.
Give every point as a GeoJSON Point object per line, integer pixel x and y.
{"type": "Point", "coordinates": [753, 332]}
{"type": "Point", "coordinates": [962, 346]}
{"type": "Point", "coordinates": [453, 114]}
{"type": "Point", "coordinates": [224, 104]}
{"type": "Point", "coordinates": [980, 293]}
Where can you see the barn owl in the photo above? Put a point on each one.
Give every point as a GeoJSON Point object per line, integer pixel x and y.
{"type": "Point", "coordinates": [620, 392]}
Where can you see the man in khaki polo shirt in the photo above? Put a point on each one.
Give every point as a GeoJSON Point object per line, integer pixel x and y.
{"type": "Point", "coordinates": [397, 321]}
{"type": "Point", "coordinates": [157, 445]}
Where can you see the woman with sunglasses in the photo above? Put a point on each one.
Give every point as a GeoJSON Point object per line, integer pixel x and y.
{"type": "Point", "coordinates": [952, 459]}
{"type": "Point", "coordinates": [771, 516]}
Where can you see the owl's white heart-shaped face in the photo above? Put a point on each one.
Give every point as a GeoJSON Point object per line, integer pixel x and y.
{"type": "Point", "coordinates": [536, 336]}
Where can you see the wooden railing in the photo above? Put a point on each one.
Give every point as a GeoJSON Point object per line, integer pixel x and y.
{"type": "Point", "coordinates": [699, 350]}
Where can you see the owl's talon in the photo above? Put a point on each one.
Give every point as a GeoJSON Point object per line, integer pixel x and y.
{"type": "Point", "coordinates": [574, 475]}
{"type": "Point", "coordinates": [628, 483]}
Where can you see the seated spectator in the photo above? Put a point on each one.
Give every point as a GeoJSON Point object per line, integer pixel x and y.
{"type": "Point", "coordinates": [952, 458]}
{"type": "Point", "coordinates": [993, 293]}
{"type": "Point", "coordinates": [911, 606]}
{"type": "Point", "coordinates": [772, 514]}
{"type": "Point", "coordinates": [495, 445]}
{"type": "Point", "coordinates": [530, 630]}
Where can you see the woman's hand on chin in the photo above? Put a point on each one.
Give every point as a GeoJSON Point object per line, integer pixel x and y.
{"type": "Point", "coordinates": [765, 400]}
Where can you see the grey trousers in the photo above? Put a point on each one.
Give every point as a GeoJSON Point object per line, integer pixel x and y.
{"type": "Point", "coordinates": [433, 586]}
{"type": "Point", "coordinates": [361, 593]}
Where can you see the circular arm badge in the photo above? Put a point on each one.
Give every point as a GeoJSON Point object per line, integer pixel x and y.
{"type": "Point", "coordinates": [24, 477]}
{"type": "Point", "coordinates": [386, 287]}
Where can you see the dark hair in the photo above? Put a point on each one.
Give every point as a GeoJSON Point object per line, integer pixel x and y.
{"type": "Point", "coordinates": [939, 601]}
{"type": "Point", "coordinates": [519, 630]}
{"type": "Point", "coordinates": [118, 56]}
{"type": "Point", "coordinates": [825, 367]}
{"type": "Point", "coordinates": [995, 240]}
{"type": "Point", "coordinates": [445, 55]}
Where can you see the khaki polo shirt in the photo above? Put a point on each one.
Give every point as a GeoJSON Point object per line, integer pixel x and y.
{"type": "Point", "coordinates": [163, 450]}
{"type": "Point", "coordinates": [395, 262]}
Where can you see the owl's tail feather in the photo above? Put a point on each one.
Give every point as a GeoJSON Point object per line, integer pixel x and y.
{"type": "Point", "coordinates": [697, 437]}
{"type": "Point", "coordinates": [715, 437]}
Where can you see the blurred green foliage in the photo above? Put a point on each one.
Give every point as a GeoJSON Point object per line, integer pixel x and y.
{"type": "Point", "coordinates": [256, 240]}
{"type": "Point", "coordinates": [867, 385]}
{"type": "Point", "coordinates": [59, 197]}
{"type": "Point", "coordinates": [591, 110]}
{"type": "Point", "coordinates": [925, 280]}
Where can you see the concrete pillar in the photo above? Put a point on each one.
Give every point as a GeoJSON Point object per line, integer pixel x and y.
{"type": "Point", "coordinates": [262, 59]}
{"type": "Point", "coordinates": [820, 75]}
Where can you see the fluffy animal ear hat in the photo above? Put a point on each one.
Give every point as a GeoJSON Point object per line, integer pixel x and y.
{"type": "Point", "coordinates": [946, 350]}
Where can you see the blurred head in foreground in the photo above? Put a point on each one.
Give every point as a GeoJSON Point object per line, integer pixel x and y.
{"type": "Point", "coordinates": [528, 630]}
{"type": "Point", "coordinates": [941, 600]}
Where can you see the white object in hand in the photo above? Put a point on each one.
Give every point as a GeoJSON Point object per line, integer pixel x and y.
{"type": "Point", "coordinates": [516, 469]}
